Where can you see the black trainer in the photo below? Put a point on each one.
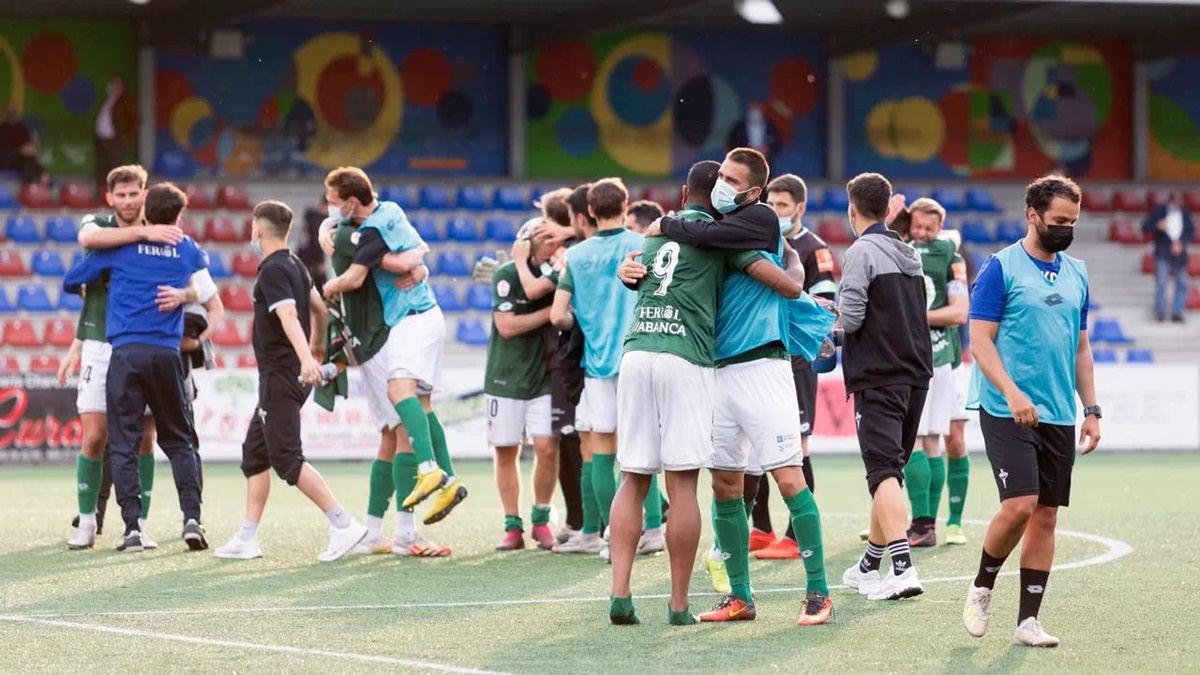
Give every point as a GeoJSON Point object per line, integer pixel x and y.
{"type": "Point", "coordinates": [131, 543]}
{"type": "Point", "coordinates": [193, 535]}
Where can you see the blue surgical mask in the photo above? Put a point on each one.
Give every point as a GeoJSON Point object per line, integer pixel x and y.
{"type": "Point", "coordinates": [724, 197]}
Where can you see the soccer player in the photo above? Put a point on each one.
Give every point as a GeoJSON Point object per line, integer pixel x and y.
{"type": "Point", "coordinates": [665, 398]}
{"type": "Point", "coordinates": [788, 195]}
{"type": "Point", "coordinates": [958, 463]}
{"type": "Point", "coordinates": [416, 341]}
{"type": "Point", "coordinates": [286, 305]}
{"type": "Point", "coordinates": [145, 368]}
{"type": "Point", "coordinates": [887, 361]}
{"type": "Point", "coordinates": [641, 214]}
{"type": "Point", "coordinates": [946, 298]}
{"type": "Point", "coordinates": [1030, 343]}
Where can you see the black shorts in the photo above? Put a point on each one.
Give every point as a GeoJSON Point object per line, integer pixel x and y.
{"type": "Point", "coordinates": [1030, 461]}
{"type": "Point", "coordinates": [887, 419]}
{"type": "Point", "coordinates": [273, 439]}
{"type": "Point", "coordinates": [806, 394]}
{"type": "Point", "coordinates": [562, 410]}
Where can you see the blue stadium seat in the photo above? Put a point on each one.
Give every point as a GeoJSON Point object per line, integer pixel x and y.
{"type": "Point", "coordinates": [512, 199]}
{"type": "Point", "coordinates": [836, 199]}
{"type": "Point", "coordinates": [479, 297]}
{"type": "Point", "coordinates": [951, 200]}
{"type": "Point", "coordinates": [34, 299]}
{"type": "Point", "coordinates": [1109, 331]}
{"type": "Point", "coordinates": [399, 194]}
{"type": "Point", "coordinates": [1139, 356]}
{"type": "Point", "coordinates": [472, 332]}
{"type": "Point", "coordinates": [453, 264]}
{"type": "Point", "coordinates": [61, 230]}
{"type": "Point", "coordinates": [22, 230]}
{"type": "Point", "coordinates": [472, 198]}
{"type": "Point", "coordinates": [980, 200]}
{"type": "Point", "coordinates": [1104, 356]}
{"type": "Point", "coordinates": [8, 200]}
{"type": "Point", "coordinates": [216, 266]}
{"type": "Point", "coordinates": [462, 229]}
{"type": "Point", "coordinates": [427, 229]}
{"type": "Point", "coordinates": [1008, 231]}
{"type": "Point", "coordinates": [976, 232]}
{"type": "Point", "coordinates": [500, 229]}
{"type": "Point", "coordinates": [447, 298]}
{"type": "Point", "coordinates": [6, 306]}
{"type": "Point", "coordinates": [69, 302]}
{"type": "Point", "coordinates": [435, 198]}
{"type": "Point", "coordinates": [47, 264]}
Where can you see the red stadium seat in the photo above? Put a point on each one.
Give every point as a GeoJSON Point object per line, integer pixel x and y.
{"type": "Point", "coordinates": [11, 265]}
{"type": "Point", "coordinates": [76, 196]}
{"type": "Point", "coordinates": [44, 365]}
{"type": "Point", "coordinates": [245, 264]}
{"type": "Point", "coordinates": [1130, 201]}
{"type": "Point", "coordinates": [20, 333]}
{"type": "Point", "coordinates": [1147, 263]}
{"type": "Point", "coordinates": [233, 198]}
{"type": "Point", "coordinates": [228, 335]}
{"type": "Point", "coordinates": [10, 365]}
{"type": "Point", "coordinates": [37, 196]}
{"type": "Point", "coordinates": [834, 232]}
{"type": "Point", "coordinates": [60, 332]}
{"type": "Point", "coordinates": [198, 199]}
{"type": "Point", "coordinates": [237, 299]}
{"type": "Point", "coordinates": [247, 361]}
{"type": "Point", "coordinates": [1097, 202]}
{"type": "Point", "coordinates": [1193, 298]}
{"type": "Point", "coordinates": [226, 231]}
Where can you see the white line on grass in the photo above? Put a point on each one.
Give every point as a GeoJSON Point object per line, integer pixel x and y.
{"type": "Point", "coordinates": [1116, 549]}
{"type": "Point", "coordinates": [302, 651]}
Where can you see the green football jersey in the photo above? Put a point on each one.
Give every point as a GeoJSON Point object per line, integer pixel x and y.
{"type": "Point", "coordinates": [516, 366]}
{"type": "Point", "coordinates": [938, 262]}
{"type": "Point", "coordinates": [676, 310]}
{"type": "Point", "coordinates": [362, 309]}
{"type": "Point", "coordinates": [93, 324]}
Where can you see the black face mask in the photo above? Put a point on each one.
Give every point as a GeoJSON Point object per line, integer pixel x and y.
{"type": "Point", "coordinates": [1055, 238]}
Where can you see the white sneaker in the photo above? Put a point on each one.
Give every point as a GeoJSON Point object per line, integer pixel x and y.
{"type": "Point", "coordinates": [147, 543]}
{"type": "Point", "coordinates": [84, 537]}
{"type": "Point", "coordinates": [907, 585]}
{"type": "Point", "coordinates": [342, 540]}
{"type": "Point", "coordinates": [978, 610]}
{"type": "Point", "coordinates": [1031, 634]}
{"type": "Point", "coordinates": [590, 544]}
{"type": "Point", "coordinates": [863, 582]}
{"type": "Point", "coordinates": [238, 549]}
{"type": "Point", "coordinates": [652, 542]}
{"type": "Point", "coordinates": [373, 544]}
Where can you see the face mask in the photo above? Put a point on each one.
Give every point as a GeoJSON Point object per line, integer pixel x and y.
{"type": "Point", "coordinates": [724, 197]}
{"type": "Point", "coordinates": [1056, 238]}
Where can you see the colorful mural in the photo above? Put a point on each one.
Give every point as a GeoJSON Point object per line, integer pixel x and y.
{"type": "Point", "coordinates": [393, 100]}
{"type": "Point", "coordinates": [54, 75]}
{"type": "Point", "coordinates": [1174, 118]}
{"type": "Point", "coordinates": [1020, 107]}
{"type": "Point", "coordinates": [651, 104]}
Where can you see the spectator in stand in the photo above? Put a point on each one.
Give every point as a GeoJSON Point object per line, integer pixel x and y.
{"type": "Point", "coordinates": [1172, 228]}
{"type": "Point", "coordinates": [306, 242]}
{"type": "Point", "coordinates": [116, 128]}
{"type": "Point", "coordinates": [18, 149]}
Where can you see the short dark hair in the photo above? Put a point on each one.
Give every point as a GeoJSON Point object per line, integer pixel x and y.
{"type": "Point", "coordinates": [578, 201]}
{"type": "Point", "coordinates": [607, 198]}
{"type": "Point", "coordinates": [164, 203]}
{"type": "Point", "coordinates": [554, 206]}
{"type": "Point", "coordinates": [1042, 191]}
{"type": "Point", "coordinates": [351, 181]}
{"type": "Point", "coordinates": [130, 173]}
{"type": "Point", "coordinates": [753, 160]}
{"type": "Point", "coordinates": [645, 211]}
{"type": "Point", "coordinates": [277, 215]}
{"type": "Point", "coordinates": [791, 184]}
{"type": "Point", "coordinates": [870, 193]}
{"type": "Point", "coordinates": [702, 177]}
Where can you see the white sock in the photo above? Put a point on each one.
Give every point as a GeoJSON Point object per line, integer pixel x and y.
{"type": "Point", "coordinates": [87, 520]}
{"type": "Point", "coordinates": [374, 526]}
{"type": "Point", "coordinates": [426, 467]}
{"type": "Point", "coordinates": [338, 517]}
{"type": "Point", "coordinates": [406, 525]}
{"type": "Point", "coordinates": [249, 531]}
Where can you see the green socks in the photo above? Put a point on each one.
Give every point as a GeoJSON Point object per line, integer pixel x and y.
{"type": "Point", "coordinates": [88, 474]}
{"type": "Point", "coordinates": [381, 488]}
{"type": "Point", "coordinates": [916, 479]}
{"type": "Point", "coordinates": [681, 618]}
{"type": "Point", "coordinates": [404, 476]}
{"type": "Point", "coordinates": [653, 505]}
{"type": "Point", "coordinates": [146, 478]}
{"type": "Point", "coordinates": [806, 522]}
{"type": "Point", "coordinates": [591, 508]}
{"type": "Point", "coordinates": [959, 475]}
{"type": "Point", "coordinates": [512, 522]}
{"type": "Point", "coordinates": [733, 535]}
{"type": "Point", "coordinates": [437, 436]}
{"type": "Point", "coordinates": [937, 480]}
{"type": "Point", "coordinates": [604, 482]}
{"type": "Point", "coordinates": [620, 611]}
{"type": "Point", "coordinates": [416, 424]}
{"type": "Point", "coordinates": [539, 515]}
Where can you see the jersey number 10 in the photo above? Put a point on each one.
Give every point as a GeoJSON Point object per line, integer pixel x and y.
{"type": "Point", "coordinates": [664, 266]}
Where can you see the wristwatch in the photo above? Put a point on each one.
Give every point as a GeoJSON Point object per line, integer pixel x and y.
{"type": "Point", "coordinates": [1093, 410]}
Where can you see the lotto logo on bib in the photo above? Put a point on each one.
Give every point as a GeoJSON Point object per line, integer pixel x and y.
{"type": "Point", "coordinates": [786, 442]}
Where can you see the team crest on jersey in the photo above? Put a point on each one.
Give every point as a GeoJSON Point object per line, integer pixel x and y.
{"type": "Point", "coordinates": [503, 288]}
{"type": "Point", "coordinates": [355, 237]}
{"type": "Point", "coordinates": [824, 260]}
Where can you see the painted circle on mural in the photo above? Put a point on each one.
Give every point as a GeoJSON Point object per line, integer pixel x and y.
{"type": "Point", "coordinates": [537, 101]}
{"type": "Point", "coordinates": [638, 91]}
{"type": "Point", "coordinates": [1067, 93]}
{"type": "Point", "coordinates": [911, 128]}
{"type": "Point", "coordinates": [427, 75]}
{"type": "Point", "coordinates": [454, 109]}
{"type": "Point", "coordinates": [567, 70]}
{"type": "Point", "coordinates": [576, 132]}
{"type": "Point", "coordinates": [171, 88]}
{"type": "Point", "coordinates": [860, 66]}
{"type": "Point", "coordinates": [49, 61]}
{"type": "Point", "coordinates": [79, 95]}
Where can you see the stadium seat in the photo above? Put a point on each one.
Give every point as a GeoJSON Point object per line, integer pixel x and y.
{"type": "Point", "coordinates": [232, 198]}
{"type": "Point", "coordinates": [1129, 201]}
{"type": "Point", "coordinates": [76, 196]}
{"type": "Point", "coordinates": [34, 299]}
{"type": "Point", "coordinates": [434, 198]}
{"type": "Point", "coordinates": [462, 229]}
{"type": "Point", "coordinates": [834, 232]}
{"type": "Point", "coordinates": [198, 199]}
{"type": "Point", "coordinates": [453, 264]}
{"type": "Point", "coordinates": [1193, 267]}
{"type": "Point", "coordinates": [245, 264]}
{"type": "Point", "coordinates": [447, 298]}
{"type": "Point", "coordinates": [1193, 297]}
{"type": "Point", "coordinates": [59, 332]}
{"type": "Point", "coordinates": [61, 230]}
{"type": "Point", "coordinates": [6, 305]}
{"type": "Point", "coordinates": [951, 200]}
{"type": "Point", "coordinates": [44, 364]}
{"type": "Point", "coordinates": [976, 232]}
{"type": "Point", "coordinates": [237, 298]}
{"type": "Point", "coordinates": [1104, 356]}
{"type": "Point", "coordinates": [10, 365]}
{"type": "Point", "coordinates": [20, 333]}
{"type": "Point", "coordinates": [479, 297]}
{"type": "Point", "coordinates": [427, 229]}
{"type": "Point", "coordinates": [11, 265]}
{"type": "Point", "coordinates": [512, 198]}
{"type": "Point", "coordinates": [1139, 356]}
{"type": "Point", "coordinates": [37, 196]}
{"type": "Point", "coordinates": [226, 231]}
{"type": "Point", "coordinates": [472, 198]}
{"type": "Point", "coordinates": [7, 199]}
{"type": "Point", "coordinates": [1147, 263]}
{"type": "Point", "coordinates": [228, 335]}
{"type": "Point", "coordinates": [69, 302]}
{"type": "Point", "coordinates": [501, 230]}
{"type": "Point", "coordinates": [22, 230]}
{"type": "Point", "coordinates": [46, 263]}
{"type": "Point", "coordinates": [472, 332]}
{"type": "Point", "coordinates": [980, 200]}
{"type": "Point", "coordinates": [1097, 202]}
{"type": "Point", "coordinates": [247, 361]}
{"type": "Point", "coordinates": [1008, 231]}
{"type": "Point", "coordinates": [836, 200]}
{"type": "Point", "coordinates": [1109, 331]}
